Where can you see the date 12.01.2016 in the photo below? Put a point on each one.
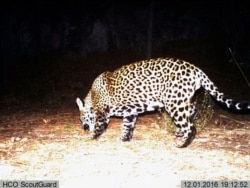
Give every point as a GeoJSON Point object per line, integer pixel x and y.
{"type": "Point", "coordinates": [215, 184]}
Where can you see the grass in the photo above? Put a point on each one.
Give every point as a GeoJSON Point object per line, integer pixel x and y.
{"type": "Point", "coordinates": [205, 109]}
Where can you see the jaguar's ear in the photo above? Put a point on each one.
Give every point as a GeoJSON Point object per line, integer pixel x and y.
{"type": "Point", "coordinates": [80, 104]}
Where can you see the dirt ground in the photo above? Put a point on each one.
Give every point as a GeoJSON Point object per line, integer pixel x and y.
{"type": "Point", "coordinates": [48, 143]}
{"type": "Point", "coordinates": [45, 146]}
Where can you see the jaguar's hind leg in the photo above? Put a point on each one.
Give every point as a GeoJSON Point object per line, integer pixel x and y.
{"type": "Point", "coordinates": [188, 134]}
{"type": "Point", "coordinates": [183, 116]}
{"type": "Point", "coordinates": [193, 116]}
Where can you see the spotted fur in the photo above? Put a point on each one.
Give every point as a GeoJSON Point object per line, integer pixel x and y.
{"type": "Point", "coordinates": [146, 86]}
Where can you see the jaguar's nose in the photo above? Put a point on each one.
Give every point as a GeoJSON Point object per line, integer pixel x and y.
{"type": "Point", "coordinates": [86, 127]}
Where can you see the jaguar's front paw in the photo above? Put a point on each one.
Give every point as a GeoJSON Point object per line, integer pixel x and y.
{"type": "Point", "coordinates": [126, 138]}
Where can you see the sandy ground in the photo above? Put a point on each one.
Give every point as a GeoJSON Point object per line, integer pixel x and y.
{"type": "Point", "coordinates": [52, 146]}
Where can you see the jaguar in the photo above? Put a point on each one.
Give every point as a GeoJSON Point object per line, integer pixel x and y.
{"type": "Point", "coordinates": [148, 85]}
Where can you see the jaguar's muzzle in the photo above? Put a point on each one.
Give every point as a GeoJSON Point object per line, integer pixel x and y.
{"type": "Point", "coordinates": [86, 127]}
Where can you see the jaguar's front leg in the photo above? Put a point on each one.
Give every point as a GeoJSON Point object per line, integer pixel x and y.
{"type": "Point", "coordinates": [128, 127]}
{"type": "Point", "coordinates": [101, 124]}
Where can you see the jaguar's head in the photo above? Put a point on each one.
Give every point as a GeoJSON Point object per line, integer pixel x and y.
{"type": "Point", "coordinates": [87, 116]}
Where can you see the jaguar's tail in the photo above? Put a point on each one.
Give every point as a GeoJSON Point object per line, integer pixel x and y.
{"type": "Point", "coordinates": [226, 101]}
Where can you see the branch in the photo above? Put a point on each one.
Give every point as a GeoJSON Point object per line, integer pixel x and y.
{"type": "Point", "coordinates": [237, 64]}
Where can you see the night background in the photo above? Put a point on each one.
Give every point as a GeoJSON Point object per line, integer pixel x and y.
{"type": "Point", "coordinates": [51, 51]}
